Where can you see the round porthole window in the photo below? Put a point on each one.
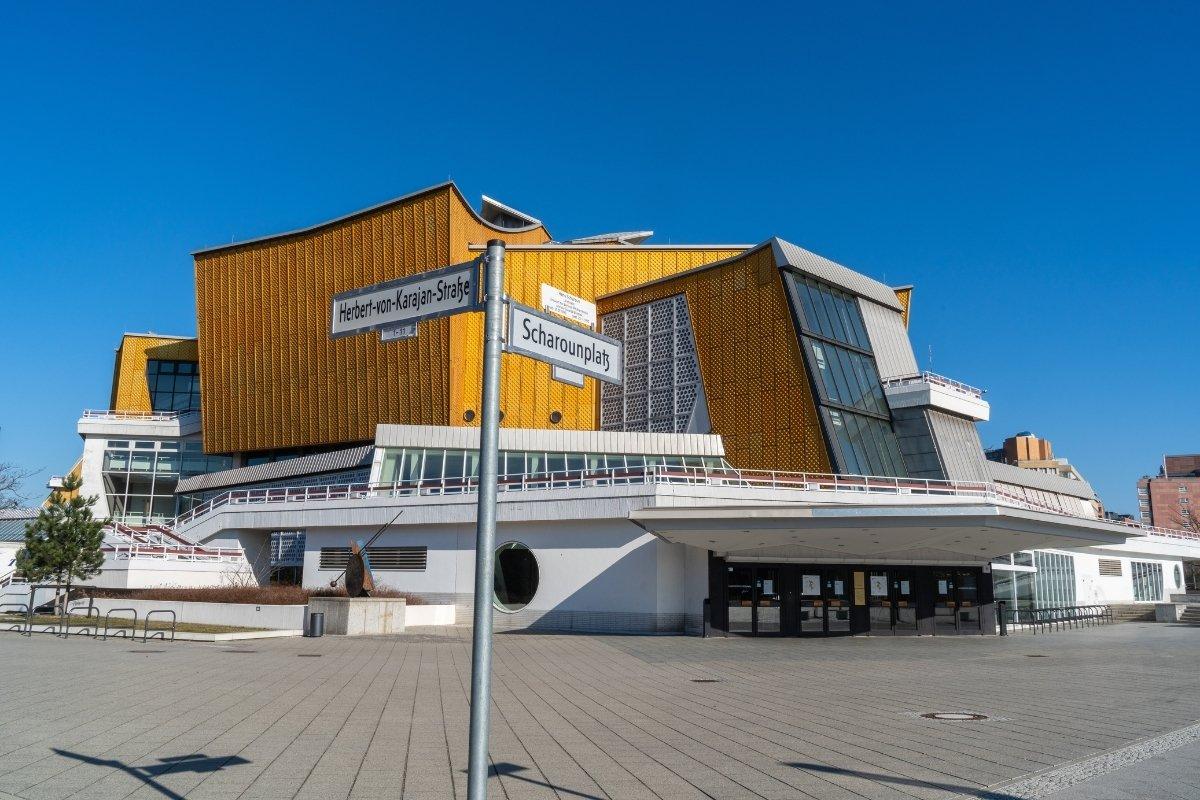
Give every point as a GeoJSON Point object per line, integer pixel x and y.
{"type": "Point", "coordinates": [516, 577]}
{"type": "Point", "coordinates": [469, 415]}
{"type": "Point", "coordinates": [1178, 576]}
{"type": "Point", "coordinates": [555, 417]}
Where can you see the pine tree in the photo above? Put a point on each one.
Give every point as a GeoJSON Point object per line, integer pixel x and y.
{"type": "Point", "coordinates": [63, 542]}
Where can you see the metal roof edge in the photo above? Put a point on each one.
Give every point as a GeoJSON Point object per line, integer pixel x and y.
{"type": "Point", "coordinates": [362, 211]}
{"type": "Point", "coordinates": [626, 248]}
{"type": "Point", "coordinates": [694, 270]}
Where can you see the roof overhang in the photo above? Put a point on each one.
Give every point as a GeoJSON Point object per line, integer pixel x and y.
{"type": "Point", "coordinates": [910, 534]}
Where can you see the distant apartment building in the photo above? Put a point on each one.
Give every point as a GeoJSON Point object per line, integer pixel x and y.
{"type": "Point", "coordinates": [1029, 451]}
{"type": "Point", "coordinates": [1171, 499]}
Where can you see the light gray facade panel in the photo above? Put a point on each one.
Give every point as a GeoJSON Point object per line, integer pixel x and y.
{"type": "Point", "coordinates": [831, 272]}
{"type": "Point", "coordinates": [561, 441]}
{"type": "Point", "coordinates": [889, 340]}
{"type": "Point", "coordinates": [1007, 473]}
{"type": "Point", "coordinates": [958, 445]}
{"type": "Point", "coordinates": [334, 461]}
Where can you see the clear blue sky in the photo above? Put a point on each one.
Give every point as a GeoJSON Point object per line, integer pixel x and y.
{"type": "Point", "coordinates": [1033, 168]}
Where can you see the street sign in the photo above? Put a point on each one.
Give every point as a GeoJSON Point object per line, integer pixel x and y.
{"type": "Point", "coordinates": [437, 293]}
{"type": "Point", "coordinates": [546, 338]}
{"type": "Point", "coordinates": [406, 331]}
{"type": "Point", "coordinates": [556, 301]}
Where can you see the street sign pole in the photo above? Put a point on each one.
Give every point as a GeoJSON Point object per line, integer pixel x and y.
{"type": "Point", "coordinates": [485, 537]}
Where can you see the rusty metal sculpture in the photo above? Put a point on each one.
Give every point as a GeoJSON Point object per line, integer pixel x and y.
{"type": "Point", "coordinates": [359, 580]}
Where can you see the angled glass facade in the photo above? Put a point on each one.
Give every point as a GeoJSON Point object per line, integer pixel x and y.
{"type": "Point", "coordinates": [174, 385]}
{"type": "Point", "coordinates": [849, 393]}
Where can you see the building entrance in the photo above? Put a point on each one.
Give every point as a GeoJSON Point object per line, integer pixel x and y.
{"type": "Point", "coordinates": [831, 600]}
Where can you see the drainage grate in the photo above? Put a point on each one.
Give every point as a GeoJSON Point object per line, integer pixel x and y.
{"type": "Point", "coordinates": [241, 651]}
{"type": "Point", "coordinates": [308, 655]}
{"type": "Point", "coordinates": [1036, 655]}
{"type": "Point", "coordinates": [954, 716]}
{"type": "Point", "coordinates": [145, 651]}
{"type": "Point", "coordinates": [705, 680]}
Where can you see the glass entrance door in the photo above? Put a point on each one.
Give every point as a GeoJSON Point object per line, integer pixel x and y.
{"type": "Point", "coordinates": [945, 605]}
{"type": "Point", "coordinates": [968, 602]}
{"type": "Point", "coordinates": [812, 605]}
{"type": "Point", "coordinates": [739, 593]}
{"type": "Point", "coordinates": [904, 602]}
{"type": "Point", "coordinates": [837, 601]}
{"type": "Point", "coordinates": [754, 599]}
{"type": "Point", "coordinates": [767, 603]}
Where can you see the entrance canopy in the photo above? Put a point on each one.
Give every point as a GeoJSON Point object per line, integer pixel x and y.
{"type": "Point", "coordinates": [904, 534]}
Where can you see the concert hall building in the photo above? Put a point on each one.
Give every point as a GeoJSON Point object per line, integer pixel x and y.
{"type": "Point", "coordinates": [774, 460]}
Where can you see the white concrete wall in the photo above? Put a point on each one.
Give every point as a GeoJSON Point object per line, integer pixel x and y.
{"type": "Point", "coordinates": [153, 573]}
{"type": "Point", "coordinates": [242, 615]}
{"type": "Point", "coordinates": [593, 574]}
{"type": "Point", "coordinates": [1092, 587]}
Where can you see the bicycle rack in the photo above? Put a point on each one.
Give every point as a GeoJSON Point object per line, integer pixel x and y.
{"type": "Point", "coordinates": [92, 611]}
{"type": "Point", "coordinates": [23, 628]}
{"type": "Point", "coordinates": [131, 633]}
{"type": "Point", "coordinates": [157, 634]}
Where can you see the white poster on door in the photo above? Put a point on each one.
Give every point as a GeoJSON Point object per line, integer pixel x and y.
{"type": "Point", "coordinates": [879, 586]}
{"type": "Point", "coordinates": [810, 585]}
{"type": "Point", "coordinates": [943, 588]}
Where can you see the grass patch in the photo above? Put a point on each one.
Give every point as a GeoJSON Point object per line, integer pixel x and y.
{"type": "Point", "coordinates": [121, 623]}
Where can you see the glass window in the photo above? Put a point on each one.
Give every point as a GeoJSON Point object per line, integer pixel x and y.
{"type": "Point", "coordinates": [517, 577]}
{"type": "Point", "coordinates": [1147, 581]}
{"type": "Point", "coordinates": [174, 385]}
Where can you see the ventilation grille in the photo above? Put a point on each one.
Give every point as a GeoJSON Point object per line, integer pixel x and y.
{"type": "Point", "coordinates": [1110, 567]}
{"type": "Point", "coordinates": [383, 559]}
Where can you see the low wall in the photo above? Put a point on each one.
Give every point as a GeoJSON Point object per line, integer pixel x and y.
{"type": "Point", "coordinates": [242, 615]}
{"type": "Point", "coordinates": [360, 616]}
{"type": "Point", "coordinates": [417, 616]}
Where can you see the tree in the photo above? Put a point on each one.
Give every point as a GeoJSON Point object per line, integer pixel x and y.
{"type": "Point", "coordinates": [63, 543]}
{"type": "Point", "coordinates": [11, 479]}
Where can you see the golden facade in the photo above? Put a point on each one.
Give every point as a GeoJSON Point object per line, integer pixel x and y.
{"type": "Point", "coordinates": [130, 391]}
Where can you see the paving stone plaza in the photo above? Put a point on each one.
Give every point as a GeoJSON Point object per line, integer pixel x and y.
{"type": "Point", "coordinates": [1104, 712]}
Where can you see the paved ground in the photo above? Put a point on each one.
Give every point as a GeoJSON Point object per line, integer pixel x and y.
{"type": "Point", "coordinates": [605, 717]}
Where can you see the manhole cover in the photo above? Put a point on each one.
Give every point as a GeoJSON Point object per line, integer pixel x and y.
{"type": "Point", "coordinates": [705, 680]}
{"type": "Point", "coordinates": [954, 716]}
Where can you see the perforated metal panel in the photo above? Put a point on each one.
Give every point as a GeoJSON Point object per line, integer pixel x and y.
{"type": "Point", "coordinates": [662, 378]}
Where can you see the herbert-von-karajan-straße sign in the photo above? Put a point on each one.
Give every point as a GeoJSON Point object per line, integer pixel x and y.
{"type": "Point", "coordinates": [437, 293]}
{"type": "Point", "coordinates": [550, 339]}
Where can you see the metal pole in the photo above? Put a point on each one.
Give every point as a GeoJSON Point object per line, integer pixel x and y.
{"type": "Point", "coordinates": [485, 537]}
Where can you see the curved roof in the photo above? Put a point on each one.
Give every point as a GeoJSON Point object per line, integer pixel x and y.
{"type": "Point", "coordinates": [313, 228]}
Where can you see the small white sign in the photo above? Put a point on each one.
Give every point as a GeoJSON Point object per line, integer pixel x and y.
{"type": "Point", "coordinates": [437, 293]}
{"type": "Point", "coordinates": [556, 301]}
{"type": "Point", "coordinates": [810, 585]}
{"type": "Point", "coordinates": [406, 331]}
{"type": "Point", "coordinates": [566, 376]}
{"type": "Point", "coordinates": [571, 347]}
{"type": "Point", "coordinates": [879, 587]}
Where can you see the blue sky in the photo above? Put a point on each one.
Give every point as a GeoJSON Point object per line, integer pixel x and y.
{"type": "Point", "coordinates": [1032, 168]}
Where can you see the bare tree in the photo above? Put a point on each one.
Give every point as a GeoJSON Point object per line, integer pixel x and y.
{"type": "Point", "coordinates": [11, 480]}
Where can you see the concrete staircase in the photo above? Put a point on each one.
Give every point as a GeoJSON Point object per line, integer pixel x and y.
{"type": "Point", "coordinates": [1132, 612]}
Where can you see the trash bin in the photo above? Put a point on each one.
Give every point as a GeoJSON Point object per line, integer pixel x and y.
{"type": "Point", "coordinates": [316, 624]}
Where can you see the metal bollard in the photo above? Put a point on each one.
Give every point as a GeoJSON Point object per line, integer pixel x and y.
{"type": "Point", "coordinates": [1000, 616]}
{"type": "Point", "coordinates": [316, 624]}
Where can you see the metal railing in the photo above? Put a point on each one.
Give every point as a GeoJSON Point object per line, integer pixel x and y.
{"type": "Point", "coordinates": [125, 552]}
{"type": "Point", "coordinates": [1041, 620]}
{"type": "Point", "coordinates": [587, 478]}
{"type": "Point", "coordinates": [940, 380]}
{"type": "Point", "coordinates": [657, 475]}
{"type": "Point", "coordinates": [144, 416]}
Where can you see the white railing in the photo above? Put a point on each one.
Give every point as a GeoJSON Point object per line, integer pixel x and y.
{"type": "Point", "coordinates": [125, 552]}
{"type": "Point", "coordinates": [940, 380]}
{"type": "Point", "coordinates": [147, 416]}
{"type": "Point", "coordinates": [654, 475]}
{"type": "Point", "coordinates": [1170, 533]}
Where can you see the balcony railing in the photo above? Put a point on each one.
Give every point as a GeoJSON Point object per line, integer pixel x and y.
{"type": "Point", "coordinates": [194, 553]}
{"type": "Point", "coordinates": [940, 380]}
{"type": "Point", "coordinates": [654, 475]}
{"type": "Point", "coordinates": [143, 416]}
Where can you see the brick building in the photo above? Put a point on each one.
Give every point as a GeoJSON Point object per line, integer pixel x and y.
{"type": "Point", "coordinates": [1172, 498]}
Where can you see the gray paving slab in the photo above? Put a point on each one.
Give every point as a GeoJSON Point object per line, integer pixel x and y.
{"type": "Point", "coordinates": [610, 717]}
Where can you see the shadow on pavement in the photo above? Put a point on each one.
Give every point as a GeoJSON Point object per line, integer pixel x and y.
{"type": "Point", "coordinates": [509, 770]}
{"type": "Point", "coordinates": [969, 791]}
{"type": "Point", "coordinates": [197, 762]}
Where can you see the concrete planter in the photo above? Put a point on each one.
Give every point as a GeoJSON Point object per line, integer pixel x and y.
{"type": "Point", "coordinates": [240, 615]}
{"type": "Point", "coordinates": [1169, 612]}
{"type": "Point", "coordinates": [360, 616]}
